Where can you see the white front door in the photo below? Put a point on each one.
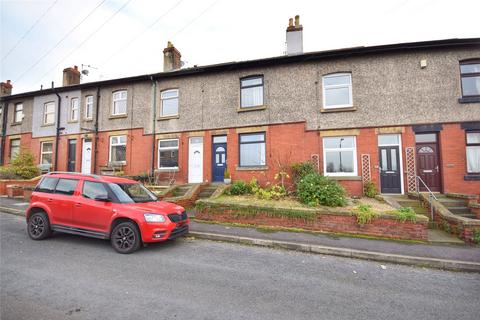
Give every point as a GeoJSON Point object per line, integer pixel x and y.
{"type": "Point", "coordinates": [195, 160]}
{"type": "Point", "coordinates": [87, 156]}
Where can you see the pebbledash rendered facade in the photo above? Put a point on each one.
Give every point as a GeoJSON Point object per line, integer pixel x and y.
{"type": "Point", "coordinates": [382, 114]}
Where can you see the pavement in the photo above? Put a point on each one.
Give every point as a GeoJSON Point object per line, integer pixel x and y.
{"type": "Point", "coordinates": [443, 256]}
{"type": "Point", "coordinates": [72, 277]}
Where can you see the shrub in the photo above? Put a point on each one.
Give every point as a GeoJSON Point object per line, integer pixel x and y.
{"type": "Point", "coordinates": [239, 187]}
{"type": "Point", "coordinates": [364, 213]}
{"type": "Point", "coordinates": [404, 214]}
{"type": "Point", "coordinates": [301, 169]}
{"type": "Point", "coordinates": [315, 189]}
{"type": "Point", "coordinates": [370, 189]}
{"type": "Point", "coordinates": [275, 192]}
{"type": "Point", "coordinates": [22, 167]}
{"type": "Point", "coordinates": [476, 236]}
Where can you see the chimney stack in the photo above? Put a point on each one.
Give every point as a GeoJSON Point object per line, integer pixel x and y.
{"type": "Point", "coordinates": [5, 88]}
{"type": "Point", "coordinates": [171, 58]}
{"type": "Point", "coordinates": [294, 37]}
{"type": "Point", "coordinates": [71, 76]}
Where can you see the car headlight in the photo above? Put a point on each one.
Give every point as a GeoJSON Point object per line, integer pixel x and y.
{"type": "Point", "coordinates": [152, 217]}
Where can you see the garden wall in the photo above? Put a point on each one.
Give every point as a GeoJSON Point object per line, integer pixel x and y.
{"type": "Point", "coordinates": [385, 226]}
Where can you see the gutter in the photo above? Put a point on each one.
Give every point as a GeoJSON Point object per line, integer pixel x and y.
{"type": "Point", "coordinates": [57, 135]}
{"type": "Point", "coordinates": [154, 106]}
{"type": "Point", "coordinates": [4, 131]}
{"type": "Point", "coordinates": [97, 111]}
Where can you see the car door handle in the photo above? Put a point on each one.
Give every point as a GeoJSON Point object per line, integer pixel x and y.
{"type": "Point", "coordinates": [78, 204]}
{"type": "Point", "coordinates": [49, 200]}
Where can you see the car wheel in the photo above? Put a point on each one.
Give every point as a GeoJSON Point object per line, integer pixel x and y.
{"type": "Point", "coordinates": [38, 226]}
{"type": "Point", "coordinates": [125, 238]}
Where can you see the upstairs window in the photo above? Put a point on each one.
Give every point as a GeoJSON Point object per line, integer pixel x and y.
{"type": "Point", "coordinates": [252, 149]}
{"type": "Point", "coordinates": [49, 113]}
{"type": "Point", "coordinates": [74, 109]}
{"type": "Point", "coordinates": [118, 149]}
{"type": "Point", "coordinates": [339, 156]}
{"type": "Point", "coordinates": [14, 148]}
{"type": "Point", "coordinates": [18, 113]}
{"type": "Point", "coordinates": [89, 107]}
{"type": "Point", "coordinates": [168, 154]}
{"type": "Point", "coordinates": [337, 90]}
{"type": "Point", "coordinates": [251, 92]}
{"type": "Point", "coordinates": [169, 103]}
{"type": "Point", "coordinates": [470, 77]}
{"type": "Point", "coordinates": [473, 151]}
{"type": "Point", "coordinates": [119, 106]}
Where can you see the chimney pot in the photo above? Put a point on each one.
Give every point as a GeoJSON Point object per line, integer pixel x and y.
{"type": "Point", "coordinates": [297, 21]}
{"type": "Point", "coordinates": [290, 22]}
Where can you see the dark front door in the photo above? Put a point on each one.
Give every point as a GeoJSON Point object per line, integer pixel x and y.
{"type": "Point", "coordinates": [390, 180]}
{"type": "Point", "coordinates": [428, 166]}
{"type": "Point", "coordinates": [72, 154]}
{"type": "Point", "coordinates": [219, 161]}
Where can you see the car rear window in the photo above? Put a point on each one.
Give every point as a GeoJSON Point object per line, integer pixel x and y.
{"type": "Point", "coordinates": [66, 186]}
{"type": "Point", "coordinates": [47, 185]}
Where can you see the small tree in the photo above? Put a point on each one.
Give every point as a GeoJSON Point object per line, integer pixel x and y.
{"type": "Point", "coordinates": [22, 167]}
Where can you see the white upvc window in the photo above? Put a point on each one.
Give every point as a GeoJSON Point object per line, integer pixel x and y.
{"type": "Point", "coordinates": [14, 148]}
{"type": "Point", "coordinates": [49, 113]}
{"type": "Point", "coordinates": [18, 113]}
{"type": "Point", "coordinates": [168, 154]}
{"type": "Point", "coordinates": [337, 90]}
{"type": "Point", "coordinates": [251, 92]}
{"type": "Point", "coordinates": [340, 156]}
{"type": "Point", "coordinates": [119, 102]}
{"type": "Point", "coordinates": [74, 108]}
{"type": "Point", "coordinates": [89, 107]}
{"type": "Point", "coordinates": [118, 149]}
{"type": "Point", "coordinates": [46, 152]}
{"type": "Point", "coordinates": [473, 152]}
{"type": "Point", "coordinates": [169, 103]}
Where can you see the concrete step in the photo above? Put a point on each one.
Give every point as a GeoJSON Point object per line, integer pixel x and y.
{"type": "Point", "coordinates": [441, 237]}
{"type": "Point", "coordinates": [452, 202]}
{"type": "Point", "coordinates": [460, 210]}
{"type": "Point", "coordinates": [409, 203]}
{"type": "Point", "coordinates": [468, 215]}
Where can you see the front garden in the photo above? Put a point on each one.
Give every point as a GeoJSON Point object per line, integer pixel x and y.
{"type": "Point", "coordinates": [311, 202]}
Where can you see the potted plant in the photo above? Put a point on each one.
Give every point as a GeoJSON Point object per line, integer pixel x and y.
{"type": "Point", "coordinates": [226, 177]}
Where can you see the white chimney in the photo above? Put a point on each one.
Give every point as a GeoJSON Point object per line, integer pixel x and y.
{"type": "Point", "coordinates": [294, 37]}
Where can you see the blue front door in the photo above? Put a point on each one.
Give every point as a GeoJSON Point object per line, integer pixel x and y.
{"type": "Point", "coordinates": [219, 161]}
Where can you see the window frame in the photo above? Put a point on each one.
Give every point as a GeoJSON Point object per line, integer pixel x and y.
{"type": "Point", "coordinates": [355, 160]}
{"type": "Point", "coordinates": [171, 98]}
{"type": "Point", "coordinates": [468, 75]}
{"type": "Point", "coordinates": [117, 144]}
{"type": "Point", "coordinates": [72, 110]}
{"type": "Point", "coordinates": [252, 86]}
{"type": "Point", "coordinates": [466, 150]}
{"type": "Point", "coordinates": [166, 149]}
{"type": "Point", "coordinates": [240, 143]}
{"type": "Point", "coordinates": [350, 90]}
{"type": "Point", "coordinates": [17, 110]}
{"type": "Point", "coordinates": [114, 100]}
{"type": "Point", "coordinates": [42, 152]}
{"type": "Point", "coordinates": [10, 149]}
{"type": "Point", "coordinates": [45, 113]}
{"type": "Point", "coordinates": [87, 105]}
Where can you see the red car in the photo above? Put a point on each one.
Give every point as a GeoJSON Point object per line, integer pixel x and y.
{"type": "Point", "coordinates": [104, 207]}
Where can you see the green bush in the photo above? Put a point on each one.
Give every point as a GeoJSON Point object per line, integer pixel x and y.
{"type": "Point", "coordinates": [315, 189]}
{"type": "Point", "coordinates": [364, 213]}
{"type": "Point", "coordinates": [370, 189]}
{"type": "Point", "coordinates": [476, 236]}
{"type": "Point", "coordinates": [22, 167]}
{"type": "Point", "coordinates": [301, 169]}
{"type": "Point", "coordinates": [404, 214]}
{"type": "Point", "coordinates": [239, 187]}
{"type": "Point", "coordinates": [275, 192]}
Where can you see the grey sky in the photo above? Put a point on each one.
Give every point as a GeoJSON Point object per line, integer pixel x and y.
{"type": "Point", "coordinates": [121, 38]}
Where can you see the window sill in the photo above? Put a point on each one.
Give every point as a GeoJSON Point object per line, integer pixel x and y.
{"type": "Point", "coordinates": [345, 178]}
{"type": "Point", "coordinates": [167, 170]}
{"type": "Point", "coordinates": [15, 123]}
{"type": "Point", "coordinates": [257, 168]}
{"type": "Point", "coordinates": [469, 99]}
{"type": "Point", "coordinates": [71, 121]}
{"type": "Point", "coordinates": [88, 120]}
{"type": "Point", "coordinates": [246, 109]}
{"type": "Point", "coordinates": [168, 118]}
{"type": "Point", "coordinates": [471, 177]}
{"type": "Point", "coordinates": [341, 109]}
{"type": "Point", "coordinates": [117, 116]}
{"type": "Point", "coordinates": [48, 125]}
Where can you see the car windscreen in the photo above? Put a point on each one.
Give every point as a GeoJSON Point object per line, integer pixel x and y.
{"type": "Point", "coordinates": [132, 192]}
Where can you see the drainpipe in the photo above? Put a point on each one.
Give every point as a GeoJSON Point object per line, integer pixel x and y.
{"type": "Point", "coordinates": [4, 131]}
{"type": "Point", "coordinates": [97, 111]}
{"type": "Point", "coordinates": [154, 106]}
{"type": "Point", "coordinates": [57, 135]}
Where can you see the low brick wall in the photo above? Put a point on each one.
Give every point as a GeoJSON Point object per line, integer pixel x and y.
{"type": "Point", "coordinates": [385, 226]}
{"type": "Point", "coordinates": [3, 184]}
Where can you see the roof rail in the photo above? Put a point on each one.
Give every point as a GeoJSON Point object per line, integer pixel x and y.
{"type": "Point", "coordinates": [75, 173]}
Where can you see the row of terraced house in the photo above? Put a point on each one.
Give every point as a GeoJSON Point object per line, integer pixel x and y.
{"type": "Point", "coordinates": [381, 113]}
